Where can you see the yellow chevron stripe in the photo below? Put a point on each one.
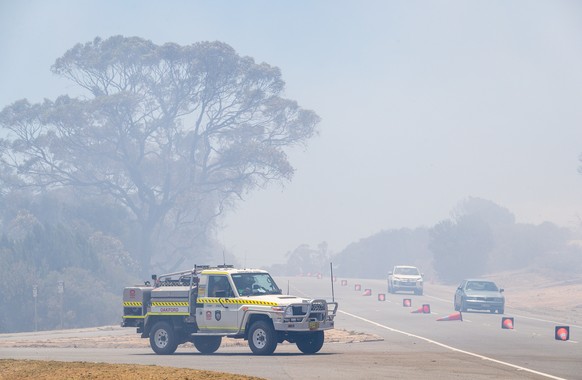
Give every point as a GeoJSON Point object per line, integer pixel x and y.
{"type": "Point", "coordinates": [169, 303]}
{"type": "Point", "coordinates": [237, 301]}
{"type": "Point", "coordinates": [130, 303]}
{"type": "Point", "coordinates": [214, 272]}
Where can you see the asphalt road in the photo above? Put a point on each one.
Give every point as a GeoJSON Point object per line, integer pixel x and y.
{"type": "Point", "coordinates": [414, 345]}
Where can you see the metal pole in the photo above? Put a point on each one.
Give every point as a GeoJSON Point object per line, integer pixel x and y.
{"type": "Point", "coordinates": [61, 291]}
{"type": "Point", "coordinates": [332, 292]}
{"type": "Point", "coordinates": [34, 295]}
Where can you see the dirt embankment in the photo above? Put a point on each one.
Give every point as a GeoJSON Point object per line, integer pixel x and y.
{"type": "Point", "coordinates": [550, 294]}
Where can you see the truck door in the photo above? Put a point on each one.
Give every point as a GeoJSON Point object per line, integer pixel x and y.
{"type": "Point", "coordinates": [219, 313]}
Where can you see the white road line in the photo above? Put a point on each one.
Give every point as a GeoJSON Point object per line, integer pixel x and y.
{"type": "Point", "coordinates": [453, 348]}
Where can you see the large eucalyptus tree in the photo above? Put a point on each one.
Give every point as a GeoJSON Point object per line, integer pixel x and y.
{"type": "Point", "coordinates": [174, 133]}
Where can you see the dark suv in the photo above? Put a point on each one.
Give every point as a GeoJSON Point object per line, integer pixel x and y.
{"type": "Point", "coordinates": [479, 295]}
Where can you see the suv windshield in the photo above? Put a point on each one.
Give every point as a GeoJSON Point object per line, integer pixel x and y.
{"type": "Point", "coordinates": [407, 271]}
{"type": "Point", "coordinates": [248, 284]}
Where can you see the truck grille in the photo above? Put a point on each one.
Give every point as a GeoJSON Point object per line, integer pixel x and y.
{"type": "Point", "coordinates": [318, 306]}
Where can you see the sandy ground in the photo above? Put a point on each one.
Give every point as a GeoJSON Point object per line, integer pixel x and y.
{"type": "Point", "coordinates": [547, 294]}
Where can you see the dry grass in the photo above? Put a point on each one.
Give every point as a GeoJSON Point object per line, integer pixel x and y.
{"type": "Point", "coordinates": [53, 370]}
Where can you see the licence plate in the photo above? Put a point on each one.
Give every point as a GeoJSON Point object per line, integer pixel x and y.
{"type": "Point", "coordinates": [313, 325]}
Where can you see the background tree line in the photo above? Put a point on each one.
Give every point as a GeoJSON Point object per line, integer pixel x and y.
{"type": "Point", "coordinates": [481, 237]}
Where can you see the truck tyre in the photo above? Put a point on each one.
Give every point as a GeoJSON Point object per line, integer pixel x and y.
{"type": "Point", "coordinates": [262, 338]}
{"type": "Point", "coordinates": [207, 344]}
{"type": "Point", "coordinates": [310, 343]}
{"type": "Point", "coordinates": [163, 339]}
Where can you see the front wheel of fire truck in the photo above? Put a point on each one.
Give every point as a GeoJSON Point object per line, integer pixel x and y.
{"type": "Point", "coordinates": [207, 344]}
{"type": "Point", "coordinates": [163, 339]}
{"type": "Point", "coordinates": [262, 338]}
{"type": "Point", "coordinates": [310, 343]}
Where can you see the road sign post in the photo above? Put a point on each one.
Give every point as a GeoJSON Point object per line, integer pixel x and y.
{"type": "Point", "coordinates": [35, 295]}
{"type": "Point", "coordinates": [61, 291]}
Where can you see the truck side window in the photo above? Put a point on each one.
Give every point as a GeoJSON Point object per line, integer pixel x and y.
{"type": "Point", "coordinates": [218, 286]}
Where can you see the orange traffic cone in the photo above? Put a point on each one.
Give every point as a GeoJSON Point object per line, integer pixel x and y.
{"type": "Point", "coordinates": [453, 317]}
{"type": "Point", "coordinates": [357, 287]}
{"type": "Point", "coordinates": [407, 302]}
{"type": "Point", "coordinates": [344, 282]}
{"type": "Point", "coordinates": [381, 297]}
{"type": "Point", "coordinates": [367, 292]}
{"type": "Point", "coordinates": [562, 332]}
{"type": "Point", "coordinates": [425, 309]}
{"type": "Point", "coordinates": [507, 323]}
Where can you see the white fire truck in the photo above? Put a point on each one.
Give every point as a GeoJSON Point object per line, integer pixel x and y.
{"type": "Point", "coordinates": [204, 304]}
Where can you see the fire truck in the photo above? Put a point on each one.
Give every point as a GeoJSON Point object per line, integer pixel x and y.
{"type": "Point", "coordinates": [205, 304]}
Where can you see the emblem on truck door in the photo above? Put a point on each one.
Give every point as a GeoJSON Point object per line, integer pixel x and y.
{"type": "Point", "coordinates": [217, 315]}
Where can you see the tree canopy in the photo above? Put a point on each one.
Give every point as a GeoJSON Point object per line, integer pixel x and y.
{"type": "Point", "coordinates": [175, 134]}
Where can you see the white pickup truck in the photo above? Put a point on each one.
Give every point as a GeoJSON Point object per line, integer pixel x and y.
{"type": "Point", "coordinates": [405, 278]}
{"type": "Point", "coordinates": [204, 304]}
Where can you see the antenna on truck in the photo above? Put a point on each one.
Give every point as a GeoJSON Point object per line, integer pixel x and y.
{"type": "Point", "coordinates": [331, 272]}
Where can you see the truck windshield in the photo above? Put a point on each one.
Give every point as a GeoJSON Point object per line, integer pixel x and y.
{"type": "Point", "coordinates": [406, 271]}
{"type": "Point", "coordinates": [248, 284]}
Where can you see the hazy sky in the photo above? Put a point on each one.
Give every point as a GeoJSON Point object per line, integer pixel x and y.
{"type": "Point", "coordinates": [423, 103]}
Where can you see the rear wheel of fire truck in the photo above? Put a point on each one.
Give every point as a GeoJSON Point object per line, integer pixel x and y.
{"type": "Point", "coordinates": [310, 343]}
{"type": "Point", "coordinates": [207, 344]}
{"type": "Point", "coordinates": [262, 338]}
{"type": "Point", "coordinates": [163, 339]}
